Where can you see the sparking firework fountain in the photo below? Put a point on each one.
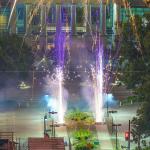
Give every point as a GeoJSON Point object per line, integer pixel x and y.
{"type": "Point", "coordinates": [97, 77]}
{"type": "Point", "coordinates": [60, 53]}
{"type": "Point", "coordinates": [99, 84]}
{"type": "Point", "coordinates": [59, 74]}
{"type": "Point", "coordinates": [61, 111]}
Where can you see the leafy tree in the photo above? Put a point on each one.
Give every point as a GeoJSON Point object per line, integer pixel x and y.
{"type": "Point", "coordinates": [15, 55]}
{"type": "Point", "coordinates": [83, 140]}
{"type": "Point", "coordinates": [78, 124]}
{"type": "Point", "coordinates": [135, 70]}
{"type": "Point", "coordinates": [135, 54]}
{"type": "Point", "coordinates": [146, 148]}
{"type": "Point", "coordinates": [77, 119]}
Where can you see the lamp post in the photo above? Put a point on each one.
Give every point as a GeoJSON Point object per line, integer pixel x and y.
{"type": "Point", "coordinates": [129, 130]}
{"type": "Point", "coordinates": [107, 106]}
{"type": "Point", "coordinates": [53, 125]}
{"type": "Point", "coordinates": [117, 125]}
{"type": "Point", "coordinates": [45, 118]}
{"type": "Point", "coordinates": [112, 112]}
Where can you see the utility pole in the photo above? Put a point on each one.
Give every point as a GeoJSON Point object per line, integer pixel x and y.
{"type": "Point", "coordinates": [129, 135]}
{"type": "Point", "coordinates": [117, 125]}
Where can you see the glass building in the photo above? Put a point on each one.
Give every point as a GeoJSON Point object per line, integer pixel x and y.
{"type": "Point", "coordinates": [124, 14]}
{"type": "Point", "coordinates": [20, 19]}
{"type": "Point", "coordinates": [5, 8]}
{"type": "Point", "coordinates": [30, 17]}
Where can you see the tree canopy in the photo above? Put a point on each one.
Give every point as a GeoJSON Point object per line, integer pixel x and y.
{"type": "Point", "coordinates": [135, 70]}
{"type": "Point", "coordinates": [135, 54]}
{"type": "Point", "coordinates": [79, 123]}
{"type": "Point", "coordinates": [15, 55]}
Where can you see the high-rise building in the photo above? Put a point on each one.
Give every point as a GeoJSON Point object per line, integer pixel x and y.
{"type": "Point", "coordinates": [5, 8]}
{"type": "Point", "coordinates": [34, 17]}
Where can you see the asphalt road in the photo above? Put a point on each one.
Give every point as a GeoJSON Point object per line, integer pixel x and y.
{"type": "Point", "coordinates": [29, 122]}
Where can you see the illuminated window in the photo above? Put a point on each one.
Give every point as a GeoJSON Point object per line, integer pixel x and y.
{"type": "Point", "coordinates": [51, 15]}
{"type": "Point", "coordinates": [4, 16]}
{"type": "Point", "coordinates": [36, 16]}
{"type": "Point", "coordinates": [66, 15]}
{"type": "Point", "coordinates": [109, 19]}
{"type": "Point", "coordinates": [95, 15]}
{"type": "Point", "coordinates": [21, 18]}
{"type": "Point", "coordinates": [80, 15]}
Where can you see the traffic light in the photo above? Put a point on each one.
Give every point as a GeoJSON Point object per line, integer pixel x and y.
{"type": "Point", "coordinates": [127, 136]}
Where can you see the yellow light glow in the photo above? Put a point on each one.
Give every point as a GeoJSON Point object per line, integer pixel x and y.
{"type": "Point", "coordinates": [3, 21]}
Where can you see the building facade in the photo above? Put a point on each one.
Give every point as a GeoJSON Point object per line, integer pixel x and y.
{"type": "Point", "coordinates": [34, 18]}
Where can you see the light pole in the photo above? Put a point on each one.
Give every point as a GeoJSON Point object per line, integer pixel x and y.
{"type": "Point", "coordinates": [117, 125]}
{"type": "Point", "coordinates": [107, 106]}
{"type": "Point", "coordinates": [129, 130]}
{"type": "Point", "coordinates": [53, 125]}
{"type": "Point", "coordinates": [45, 118]}
{"type": "Point", "coordinates": [112, 112]}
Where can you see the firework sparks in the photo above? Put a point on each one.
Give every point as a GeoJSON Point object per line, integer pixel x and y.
{"type": "Point", "coordinates": [59, 74]}
{"type": "Point", "coordinates": [11, 14]}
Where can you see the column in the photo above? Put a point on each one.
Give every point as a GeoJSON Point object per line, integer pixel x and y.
{"type": "Point", "coordinates": [73, 19]}
{"type": "Point", "coordinates": [58, 17]}
{"type": "Point", "coordinates": [118, 19]}
{"type": "Point", "coordinates": [43, 17]}
{"type": "Point", "coordinates": [114, 17]}
{"type": "Point", "coordinates": [42, 25]}
{"type": "Point", "coordinates": [88, 22]}
{"type": "Point", "coordinates": [29, 17]}
{"type": "Point", "coordinates": [12, 23]}
{"type": "Point", "coordinates": [101, 15]}
{"type": "Point", "coordinates": [103, 19]}
{"type": "Point", "coordinates": [85, 16]}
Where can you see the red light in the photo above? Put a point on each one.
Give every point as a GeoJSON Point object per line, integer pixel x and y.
{"type": "Point", "coordinates": [127, 136]}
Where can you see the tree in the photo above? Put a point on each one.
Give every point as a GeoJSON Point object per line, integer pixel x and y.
{"type": "Point", "coordinates": [83, 140]}
{"type": "Point", "coordinates": [135, 54]}
{"type": "Point", "coordinates": [79, 123]}
{"type": "Point", "coordinates": [15, 55]}
{"type": "Point", "coordinates": [77, 119]}
{"type": "Point", "coordinates": [135, 70]}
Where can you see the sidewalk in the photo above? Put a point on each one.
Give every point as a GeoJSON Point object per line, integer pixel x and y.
{"type": "Point", "coordinates": [104, 137]}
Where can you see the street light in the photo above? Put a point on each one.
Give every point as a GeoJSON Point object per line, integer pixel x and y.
{"type": "Point", "coordinates": [52, 112]}
{"type": "Point", "coordinates": [45, 118]}
{"type": "Point", "coordinates": [107, 106]}
{"type": "Point", "coordinates": [112, 112]}
{"type": "Point", "coordinates": [53, 125]}
{"type": "Point", "coordinates": [117, 125]}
